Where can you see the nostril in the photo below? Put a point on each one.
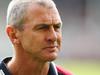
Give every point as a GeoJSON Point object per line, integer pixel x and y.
{"type": "Point", "coordinates": [52, 37]}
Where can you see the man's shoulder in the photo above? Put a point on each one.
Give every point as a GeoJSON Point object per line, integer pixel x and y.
{"type": "Point", "coordinates": [62, 71]}
{"type": "Point", "coordinates": [1, 64]}
{"type": "Point", "coordinates": [4, 61]}
{"type": "Point", "coordinates": [1, 68]}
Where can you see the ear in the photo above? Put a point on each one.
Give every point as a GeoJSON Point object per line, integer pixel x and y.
{"type": "Point", "coordinates": [11, 31]}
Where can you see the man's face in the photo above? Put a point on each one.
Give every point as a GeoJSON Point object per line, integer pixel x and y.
{"type": "Point", "coordinates": [41, 37]}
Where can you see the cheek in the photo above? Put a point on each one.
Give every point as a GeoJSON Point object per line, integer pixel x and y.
{"type": "Point", "coordinates": [59, 40]}
{"type": "Point", "coordinates": [26, 41]}
{"type": "Point", "coordinates": [33, 43]}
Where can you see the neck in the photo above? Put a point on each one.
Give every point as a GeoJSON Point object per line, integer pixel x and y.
{"type": "Point", "coordinates": [24, 65]}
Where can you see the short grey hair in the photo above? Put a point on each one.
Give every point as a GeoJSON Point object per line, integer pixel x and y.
{"type": "Point", "coordinates": [17, 10]}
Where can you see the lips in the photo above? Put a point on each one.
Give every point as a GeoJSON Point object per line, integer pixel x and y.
{"type": "Point", "coordinates": [51, 48]}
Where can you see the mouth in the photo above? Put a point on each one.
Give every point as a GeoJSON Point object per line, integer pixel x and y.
{"type": "Point", "coordinates": [51, 48]}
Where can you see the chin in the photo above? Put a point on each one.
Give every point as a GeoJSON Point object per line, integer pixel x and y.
{"type": "Point", "coordinates": [47, 57]}
{"type": "Point", "coordinates": [51, 58]}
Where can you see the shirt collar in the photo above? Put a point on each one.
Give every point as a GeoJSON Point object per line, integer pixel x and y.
{"type": "Point", "coordinates": [3, 68]}
{"type": "Point", "coordinates": [52, 69]}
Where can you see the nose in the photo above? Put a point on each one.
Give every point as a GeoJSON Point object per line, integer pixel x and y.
{"type": "Point", "coordinates": [52, 35]}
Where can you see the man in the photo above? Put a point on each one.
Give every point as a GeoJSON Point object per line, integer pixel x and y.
{"type": "Point", "coordinates": [34, 28]}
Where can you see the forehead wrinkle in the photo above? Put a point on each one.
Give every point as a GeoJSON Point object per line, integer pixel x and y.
{"type": "Point", "coordinates": [42, 16]}
{"type": "Point", "coordinates": [37, 13]}
{"type": "Point", "coordinates": [44, 5]}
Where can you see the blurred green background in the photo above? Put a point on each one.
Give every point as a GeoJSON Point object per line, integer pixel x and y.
{"type": "Point", "coordinates": [80, 67]}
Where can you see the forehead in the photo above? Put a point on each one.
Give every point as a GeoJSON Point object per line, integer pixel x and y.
{"type": "Point", "coordinates": [38, 13]}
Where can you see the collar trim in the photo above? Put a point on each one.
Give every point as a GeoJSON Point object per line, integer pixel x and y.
{"type": "Point", "coordinates": [55, 69]}
{"type": "Point", "coordinates": [1, 72]}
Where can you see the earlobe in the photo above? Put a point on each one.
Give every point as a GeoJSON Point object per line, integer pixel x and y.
{"type": "Point", "coordinates": [11, 32]}
{"type": "Point", "coordinates": [8, 30]}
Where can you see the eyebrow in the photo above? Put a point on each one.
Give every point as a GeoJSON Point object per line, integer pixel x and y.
{"type": "Point", "coordinates": [49, 24]}
{"type": "Point", "coordinates": [58, 24]}
{"type": "Point", "coordinates": [46, 25]}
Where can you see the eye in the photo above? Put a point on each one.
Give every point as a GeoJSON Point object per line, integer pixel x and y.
{"type": "Point", "coordinates": [44, 26]}
{"type": "Point", "coordinates": [57, 27]}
